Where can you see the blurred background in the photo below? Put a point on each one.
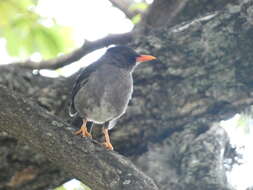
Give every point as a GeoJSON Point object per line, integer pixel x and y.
{"type": "Point", "coordinates": [44, 29]}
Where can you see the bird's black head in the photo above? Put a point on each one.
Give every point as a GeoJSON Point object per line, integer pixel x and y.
{"type": "Point", "coordinates": [125, 57]}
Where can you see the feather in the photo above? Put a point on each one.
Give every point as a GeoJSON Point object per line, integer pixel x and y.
{"type": "Point", "coordinates": [81, 80]}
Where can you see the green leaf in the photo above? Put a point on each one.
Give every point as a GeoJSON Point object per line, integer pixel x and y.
{"type": "Point", "coordinates": [142, 6]}
{"type": "Point", "coordinates": [60, 188]}
{"type": "Point", "coordinates": [244, 122]}
{"type": "Point", "coordinates": [25, 33]}
{"type": "Point", "coordinates": [136, 19]}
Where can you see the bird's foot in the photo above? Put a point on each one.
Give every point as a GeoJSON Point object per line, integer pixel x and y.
{"type": "Point", "coordinates": [83, 132]}
{"type": "Point", "coordinates": [108, 145]}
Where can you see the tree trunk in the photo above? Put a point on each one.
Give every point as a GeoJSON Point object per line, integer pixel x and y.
{"type": "Point", "coordinates": [169, 131]}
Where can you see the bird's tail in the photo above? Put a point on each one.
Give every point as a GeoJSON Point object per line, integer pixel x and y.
{"type": "Point", "coordinates": [72, 110]}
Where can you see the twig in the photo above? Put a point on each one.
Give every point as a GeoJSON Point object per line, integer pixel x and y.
{"type": "Point", "coordinates": [77, 54]}
{"type": "Point", "coordinates": [83, 158]}
{"type": "Point", "coordinates": [124, 5]}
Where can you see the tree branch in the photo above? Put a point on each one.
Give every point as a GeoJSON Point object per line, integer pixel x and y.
{"type": "Point", "coordinates": [198, 8]}
{"type": "Point", "coordinates": [85, 159]}
{"type": "Point", "coordinates": [77, 54]}
{"type": "Point", "coordinates": [171, 12]}
{"type": "Point", "coordinates": [159, 14]}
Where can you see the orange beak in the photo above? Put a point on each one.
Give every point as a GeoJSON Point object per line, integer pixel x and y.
{"type": "Point", "coordinates": [143, 58]}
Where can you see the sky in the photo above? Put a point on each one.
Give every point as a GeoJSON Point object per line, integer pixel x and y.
{"type": "Point", "coordinates": [241, 136]}
{"type": "Point", "coordinates": [95, 19]}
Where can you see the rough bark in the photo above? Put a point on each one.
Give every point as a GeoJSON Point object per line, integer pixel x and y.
{"type": "Point", "coordinates": [165, 13]}
{"type": "Point", "coordinates": [24, 169]}
{"type": "Point", "coordinates": [16, 158]}
{"type": "Point", "coordinates": [78, 156]}
{"type": "Point", "coordinates": [205, 75]}
{"type": "Point", "coordinates": [159, 14]}
{"type": "Point", "coordinates": [198, 8]}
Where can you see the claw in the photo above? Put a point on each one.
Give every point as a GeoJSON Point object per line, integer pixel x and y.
{"type": "Point", "coordinates": [107, 145]}
{"type": "Point", "coordinates": [83, 130]}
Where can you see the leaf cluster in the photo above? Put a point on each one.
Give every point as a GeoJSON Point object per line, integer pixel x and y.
{"type": "Point", "coordinates": [26, 32]}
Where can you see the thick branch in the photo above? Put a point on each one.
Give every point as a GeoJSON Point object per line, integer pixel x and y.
{"type": "Point", "coordinates": [85, 159]}
{"type": "Point", "coordinates": [77, 54]}
{"type": "Point", "coordinates": [22, 168]}
{"type": "Point", "coordinates": [159, 14]}
{"type": "Point", "coordinates": [198, 8]}
{"type": "Point", "coordinates": [164, 13]}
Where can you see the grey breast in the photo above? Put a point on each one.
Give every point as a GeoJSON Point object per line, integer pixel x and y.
{"type": "Point", "coordinates": [106, 94]}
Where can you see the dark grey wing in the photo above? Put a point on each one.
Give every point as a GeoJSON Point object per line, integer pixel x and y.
{"type": "Point", "coordinates": [81, 80]}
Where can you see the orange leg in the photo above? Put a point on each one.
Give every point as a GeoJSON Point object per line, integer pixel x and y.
{"type": "Point", "coordinates": [107, 144]}
{"type": "Point", "coordinates": [83, 130]}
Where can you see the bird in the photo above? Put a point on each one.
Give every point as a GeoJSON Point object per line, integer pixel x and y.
{"type": "Point", "coordinates": [103, 89]}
